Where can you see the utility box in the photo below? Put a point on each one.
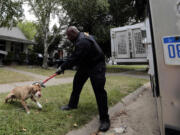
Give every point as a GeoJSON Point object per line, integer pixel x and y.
{"type": "Point", "coordinates": [127, 45]}
{"type": "Point", "coordinates": [165, 26]}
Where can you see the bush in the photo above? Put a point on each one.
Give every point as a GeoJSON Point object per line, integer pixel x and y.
{"type": "Point", "coordinates": [9, 58]}
{"type": "Point", "coordinates": [22, 58]}
{"type": "Point", "coordinates": [33, 59]}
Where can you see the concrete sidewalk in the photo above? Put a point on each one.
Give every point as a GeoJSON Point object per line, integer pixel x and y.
{"type": "Point", "coordinates": [136, 118]}
{"type": "Point", "coordinates": [41, 77]}
{"type": "Point", "coordinates": [135, 115]}
{"type": "Point", "coordinates": [10, 86]}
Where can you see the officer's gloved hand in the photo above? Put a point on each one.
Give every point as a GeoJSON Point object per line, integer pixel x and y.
{"type": "Point", "coordinates": [59, 71]}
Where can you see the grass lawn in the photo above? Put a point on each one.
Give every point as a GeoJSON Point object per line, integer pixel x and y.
{"type": "Point", "coordinates": [51, 120]}
{"type": "Point", "coordinates": [10, 77]}
{"type": "Point", "coordinates": [128, 67]}
{"type": "Point", "coordinates": [138, 69]}
{"type": "Point", "coordinates": [45, 72]}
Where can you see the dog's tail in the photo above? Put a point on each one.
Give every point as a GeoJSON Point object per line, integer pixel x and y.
{"type": "Point", "coordinates": [9, 96]}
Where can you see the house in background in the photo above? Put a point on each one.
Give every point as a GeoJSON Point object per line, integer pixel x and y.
{"type": "Point", "coordinates": [13, 44]}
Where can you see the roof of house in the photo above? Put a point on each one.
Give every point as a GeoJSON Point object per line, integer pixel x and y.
{"type": "Point", "coordinates": [14, 34]}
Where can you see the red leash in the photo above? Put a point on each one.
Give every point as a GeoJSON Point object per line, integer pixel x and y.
{"type": "Point", "coordinates": [42, 83]}
{"type": "Point", "coordinates": [52, 76]}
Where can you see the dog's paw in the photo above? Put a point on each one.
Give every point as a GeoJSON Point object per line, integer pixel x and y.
{"type": "Point", "coordinates": [28, 112]}
{"type": "Point", "coordinates": [39, 105]}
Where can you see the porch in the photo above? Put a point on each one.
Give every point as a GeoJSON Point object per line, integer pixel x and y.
{"type": "Point", "coordinates": [13, 45]}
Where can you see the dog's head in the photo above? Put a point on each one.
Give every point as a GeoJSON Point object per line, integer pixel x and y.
{"type": "Point", "coordinates": [36, 90]}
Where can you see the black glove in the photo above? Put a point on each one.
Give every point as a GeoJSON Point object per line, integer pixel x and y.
{"type": "Point", "coordinates": [59, 71]}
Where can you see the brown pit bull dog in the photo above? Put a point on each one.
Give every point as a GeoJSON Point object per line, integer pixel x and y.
{"type": "Point", "coordinates": [24, 92]}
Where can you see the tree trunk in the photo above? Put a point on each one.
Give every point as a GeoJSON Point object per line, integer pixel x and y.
{"type": "Point", "coordinates": [46, 45]}
{"type": "Point", "coordinates": [45, 59]}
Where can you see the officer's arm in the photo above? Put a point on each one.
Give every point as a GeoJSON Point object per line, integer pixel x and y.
{"type": "Point", "coordinates": [78, 55]}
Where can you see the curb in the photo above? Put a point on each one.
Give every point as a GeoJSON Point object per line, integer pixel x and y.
{"type": "Point", "coordinates": [92, 126]}
{"type": "Point", "coordinates": [132, 96]}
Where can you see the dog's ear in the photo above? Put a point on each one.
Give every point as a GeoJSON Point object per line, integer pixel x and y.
{"type": "Point", "coordinates": [37, 87]}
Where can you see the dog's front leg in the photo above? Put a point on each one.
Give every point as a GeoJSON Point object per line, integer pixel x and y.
{"type": "Point", "coordinates": [38, 104]}
{"type": "Point", "coordinates": [25, 106]}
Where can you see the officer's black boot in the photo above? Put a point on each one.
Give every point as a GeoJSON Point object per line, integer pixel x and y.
{"type": "Point", "coordinates": [104, 125]}
{"type": "Point", "coordinates": [67, 107]}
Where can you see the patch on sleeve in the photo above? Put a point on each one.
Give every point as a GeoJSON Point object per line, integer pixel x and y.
{"type": "Point", "coordinates": [85, 33]}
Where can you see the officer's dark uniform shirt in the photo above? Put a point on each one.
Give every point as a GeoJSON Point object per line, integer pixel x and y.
{"type": "Point", "coordinates": [91, 64]}
{"type": "Point", "coordinates": [86, 55]}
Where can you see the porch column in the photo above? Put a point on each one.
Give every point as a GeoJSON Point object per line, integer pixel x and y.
{"type": "Point", "coordinates": [8, 46]}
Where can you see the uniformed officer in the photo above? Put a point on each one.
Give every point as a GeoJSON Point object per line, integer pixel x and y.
{"type": "Point", "coordinates": [90, 60]}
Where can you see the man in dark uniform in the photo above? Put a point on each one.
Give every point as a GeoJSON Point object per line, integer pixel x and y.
{"type": "Point", "coordinates": [90, 60]}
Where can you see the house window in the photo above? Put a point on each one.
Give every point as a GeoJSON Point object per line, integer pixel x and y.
{"type": "Point", "coordinates": [2, 42]}
{"type": "Point", "coordinates": [2, 45]}
{"type": "Point", "coordinates": [22, 47]}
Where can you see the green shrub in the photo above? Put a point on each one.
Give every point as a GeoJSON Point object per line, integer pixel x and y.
{"type": "Point", "coordinates": [33, 59]}
{"type": "Point", "coordinates": [9, 58]}
{"type": "Point", "coordinates": [22, 58]}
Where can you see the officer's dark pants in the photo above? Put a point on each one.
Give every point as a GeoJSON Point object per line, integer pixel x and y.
{"type": "Point", "coordinates": [97, 78]}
